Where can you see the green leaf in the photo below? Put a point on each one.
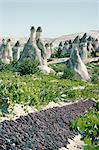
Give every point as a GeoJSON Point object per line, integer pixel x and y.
{"type": "Point", "coordinates": [87, 140]}
{"type": "Point", "coordinates": [73, 124]}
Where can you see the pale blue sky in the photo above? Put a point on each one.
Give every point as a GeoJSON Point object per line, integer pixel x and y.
{"type": "Point", "coordinates": [56, 17]}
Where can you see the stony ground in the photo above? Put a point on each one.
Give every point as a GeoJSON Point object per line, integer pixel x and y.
{"type": "Point", "coordinates": [44, 130]}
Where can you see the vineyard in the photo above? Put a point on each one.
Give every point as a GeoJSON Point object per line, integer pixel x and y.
{"type": "Point", "coordinates": [49, 75]}
{"type": "Point", "coordinates": [37, 90]}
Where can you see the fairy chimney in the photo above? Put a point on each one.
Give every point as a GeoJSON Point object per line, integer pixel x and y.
{"type": "Point", "coordinates": [16, 51]}
{"type": "Point", "coordinates": [41, 46]}
{"type": "Point", "coordinates": [75, 63]}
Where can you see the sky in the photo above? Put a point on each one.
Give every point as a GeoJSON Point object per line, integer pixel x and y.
{"type": "Point", "coordinates": [56, 17]}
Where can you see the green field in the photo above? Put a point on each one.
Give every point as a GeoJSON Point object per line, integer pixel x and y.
{"type": "Point", "coordinates": [38, 89]}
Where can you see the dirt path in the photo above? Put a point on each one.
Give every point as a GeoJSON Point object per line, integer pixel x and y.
{"type": "Point", "coordinates": [44, 130]}
{"type": "Point", "coordinates": [58, 60]}
{"type": "Point", "coordinates": [62, 60]}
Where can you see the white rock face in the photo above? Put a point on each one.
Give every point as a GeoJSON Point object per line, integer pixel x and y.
{"type": "Point", "coordinates": [90, 47]}
{"type": "Point", "coordinates": [77, 64]}
{"type": "Point", "coordinates": [46, 69]}
{"type": "Point", "coordinates": [41, 47]}
{"type": "Point", "coordinates": [75, 144]}
{"type": "Point", "coordinates": [84, 54]}
{"type": "Point", "coordinates": [48, 52]}
{"type": "Point", "coordinates": [5, 56]}
{"type": "Point", "coordinates": [81, 69]}
{"type": "Point", "coordinates": [10, 51]}
{"type": "Point", "coordinates": [2, 46]}
{"type": "Point", "coordinates": [29, 50]}
{"type": "Point", "coordinates": [16, 51]}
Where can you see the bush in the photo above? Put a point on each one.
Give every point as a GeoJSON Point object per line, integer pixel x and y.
{"type": "Point", "coordinates": [27, 66]}
{"type": "Point", "coordinates": [95, 79]}
{"type": "Point", "coordinates": [39, 89]}
{"type": "Point", "coordinates": [93, 69]}
{"type": "Point", "coordinates": [68, 74]}
{"type": "Point", "coordinates": [5, 97]}
{"type": "Point", "coordinates": [2, 66]}
{"type": "Point", "coordinates": [54, 55]}
{"type": "Point", "coordinates": [6, 67]}
{"type": "Point", "coordinates": [88, 126]}
{"type": "Point", "coordinates": [57, 67]}
{"type": "Point", "coordinates": [10, 93]}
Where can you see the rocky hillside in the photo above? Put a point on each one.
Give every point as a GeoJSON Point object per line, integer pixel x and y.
{"type": "Point", "coordinates": [56, 41]}
{"type": "Point", "coordinates": [63, 38]}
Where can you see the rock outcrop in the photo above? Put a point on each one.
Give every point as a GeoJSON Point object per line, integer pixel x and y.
{"type": "Point", "coordinates": [75, 63]}
{"type": "Point", "coordinates": [36, 50]}
{"type": "Point", "coordinates": [16, 51]}
{"type": "Point", "coordinates": [7, 57]}
{"type": "Point", "coordinates": [29, 50]}
{"type": "Point", "coordinates": [2, 47]}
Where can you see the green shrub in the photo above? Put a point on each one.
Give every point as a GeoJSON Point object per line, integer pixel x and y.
{"type": "Point", "coordinates": [10, 94]}
{"type": "Point", "coordinates": [7, 67]}
{"type": "Point", "coordinates": [39, 89]}
{"type": "Point", "coordinates": [93, 69]}
{"type": "Point", "coordinates": [95, 79]}
{"type": "Point", "coordinates": [7, 93]}
{"type": "Point", "coordinates": [54, 55]}
{"type": "Point", "coordinates": [1, 66]}
{"type": "Point", "coordinates": [88, 126]}
{"type": "Point", "coordinates": [27, 66]}
{"type": "Point", "coordinates": [68, 74]}
{"type": "Point", "coordinates": [58, 67]}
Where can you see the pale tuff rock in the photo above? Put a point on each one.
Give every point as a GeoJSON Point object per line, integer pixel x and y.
{"type": "Point", "coordinates": [77, 64]}
{"type": "Point", "coordinates": [46, 70]}
{"type": "Point", "coordinates": [7, 57]}
{"type": "Point", "coordinates": [34, 45]}
{"type": "Point", "coordinates": [35, 49]}
{"type": "Point", "coordinates": [42, 52]}
{"type": "Point", "coordinates": [16, 51]}
{"type": "Point", "coordinates": [77, 40]}
{"type": "Point", "coordinates": [81, 69]}
{"type": "Point", "coordinates": [48, 50]}
{"type": "Point", "coordinates": [41, 46]}
{"type": "Point", "coordinates": [90, 47]}
{"type": "Point", "coordinates": [86, 46]}
{"type": "Point", "coordinates": [84, 37]}
{"type": "Point", "coordinates": [3, 44]}
{"type": "Point", "coordinates": [97, 48]}
{"type": "Point", "coordinates": [65, 48]}
{"type": "Point", "coordinates": [76, 143]}
{"type": "Point", "coordinates": [29, 49]}
{"type": "Point", "coordinates": [51, 47]}
{"type": "Point", "coordinates": [10, 49]}
{"type": "Point", "coordinates": [84, 52]}
{"type": "Point", "coordinates": [96, 44]}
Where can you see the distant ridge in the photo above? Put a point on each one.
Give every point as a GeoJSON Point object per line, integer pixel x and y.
{"type": "Point", "coordinates": [56, 41]}
{"type": "Point", "coordinates": [93, 33]}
